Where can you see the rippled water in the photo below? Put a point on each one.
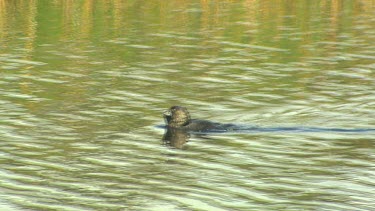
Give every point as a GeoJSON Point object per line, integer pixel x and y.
{"type": "Point", "coordinates": [83, 86]}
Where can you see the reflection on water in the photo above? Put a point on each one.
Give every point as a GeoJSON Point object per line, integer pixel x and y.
{"type": "Point", "coordinates": [177, 138]}
{"type": "Point", "coordinates": [83, 84]}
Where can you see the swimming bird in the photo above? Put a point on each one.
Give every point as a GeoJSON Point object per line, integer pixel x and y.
{"type": "Point", "coordinates": [178, 117]}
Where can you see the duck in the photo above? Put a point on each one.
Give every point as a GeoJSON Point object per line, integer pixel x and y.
{"type": "Point", "coordinates": [178, 117]}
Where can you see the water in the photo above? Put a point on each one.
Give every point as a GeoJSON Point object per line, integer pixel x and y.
{"type": "Point", "coordinates": [83, 86]}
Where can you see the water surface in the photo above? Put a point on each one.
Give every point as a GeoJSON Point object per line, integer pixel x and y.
{"type": "Point", "coordinates": [83, 86]}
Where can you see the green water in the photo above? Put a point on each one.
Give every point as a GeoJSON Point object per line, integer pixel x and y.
{"type": "Point", "coordinates": [83, 85]}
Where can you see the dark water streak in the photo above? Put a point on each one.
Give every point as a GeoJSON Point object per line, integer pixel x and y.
{"type": "Point", "coordinates": [249, 129]}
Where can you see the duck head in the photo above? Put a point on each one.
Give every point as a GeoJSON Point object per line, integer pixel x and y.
{"type": "Point", "coordinates": [177, 116]}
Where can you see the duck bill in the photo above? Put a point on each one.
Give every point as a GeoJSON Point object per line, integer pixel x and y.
{"type": "Point", "coordinates": [167, 116]}
{"type": "Point", "coordinates": [167, 113]}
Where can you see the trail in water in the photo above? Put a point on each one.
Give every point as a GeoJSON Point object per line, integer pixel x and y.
{"type": "Point", "coordinates": [246, 129]}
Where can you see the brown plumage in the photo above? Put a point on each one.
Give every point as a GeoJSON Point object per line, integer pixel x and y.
{"type": "Point", "coordinates": [178, 117]}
